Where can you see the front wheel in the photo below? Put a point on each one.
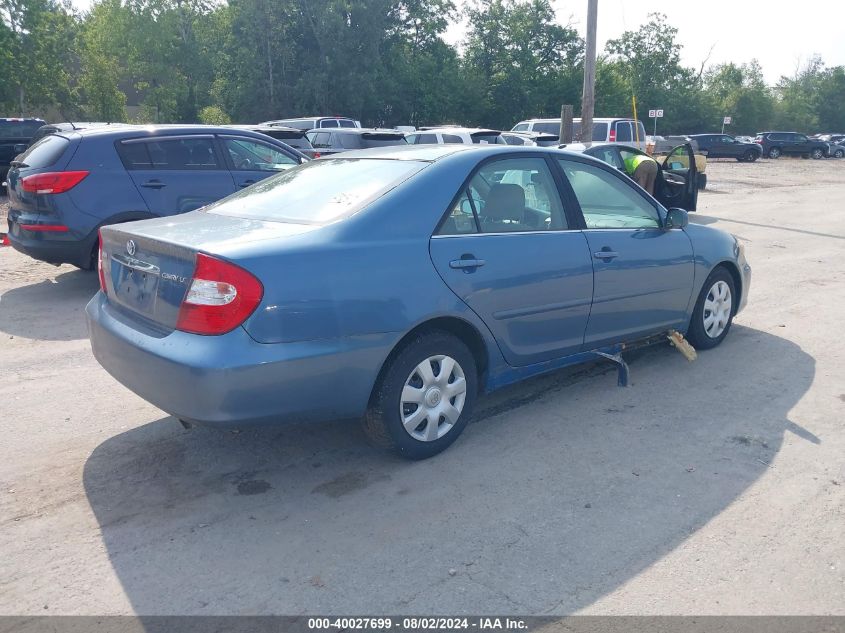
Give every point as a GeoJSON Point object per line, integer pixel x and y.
{"type": "Point", "coordinates": [774, 152]}
{"type": "Point", "coordinates": [424, 396]}
{"type": "Point", "coordinates": [750, 156]}
{"type": "Point", "coordinates": [714, 310]}
{"type": "Point", "coordinates": [839, 153]}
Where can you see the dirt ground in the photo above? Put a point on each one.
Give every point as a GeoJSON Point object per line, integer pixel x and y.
{"type": "Point", "coordinates": [713, 487]}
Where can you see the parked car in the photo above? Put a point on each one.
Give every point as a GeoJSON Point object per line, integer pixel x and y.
{"type": "Point", "coordinates": [326, 142]}
{"type": "Point", "coordinates": [830, 138]}
{"type": "Point", "coordinates": [412, 279]}
{"type": "Point", "coordinates": [606, 130]}
{"type": "Point", "coordinates": [14, 137]}
{"type": "Point", "coordinates": [290, 136]}
{"type": "Point", "coordinates": [455, 135]}
{"type": "Point", "coordinates": [540, 139]}
{"type": "Point", "coordinates": [677, 183]}
{"type": "Point", "coordinates": [315, 122]}
{"type": "Point", "coordinates": [776, 144]}
{"type": "Point", "coordinates": [725, 146]}
{"type": "Point", "coordinates": [837, 150]}
{"type": "Point", "coordinates": [67, 126]}
{"type": "Point", "coordinates": [745, 139]}
{"type": "Point", "coordinates": [68, 184]}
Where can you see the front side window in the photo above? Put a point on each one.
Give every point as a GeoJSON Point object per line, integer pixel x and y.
{"type": "Point", "coordinates": [520, 127]}
{"type": "Point", "coordinates": [512, 195]}
{"type": "Point", "coordinates": [349, 141]}
{"type": "Point", "coordinates": [249, 155]}
{"type": "Point", "coordinates": [547, 128]}
{"type": "Point", "coordinates": [425, 139]}
{"type": "Point", "coordinates": [451, 138]}
{"type": "Point", "coordinates": [608, 155]}
{"type": "Point", "coordinates": [319, 191]}
{"type": "Point", "coordinates": [607, 200]}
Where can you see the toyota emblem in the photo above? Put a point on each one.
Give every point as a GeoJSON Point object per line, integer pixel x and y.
{"type": "Point", "coordinates": [130, 247]}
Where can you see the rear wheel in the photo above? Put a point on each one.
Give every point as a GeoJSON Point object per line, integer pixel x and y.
{"type": "Point", "coordinates": [817, 153]}
{"type": "Point", "coordinates": [750, 156]}
{"type": "Point", "coordinates": [774, 152]}
{"type": "Point", "coordinates": [714, 310]}
{"type": "Point", "coordinates": [424, 396]}
{"type": "Point", "coordinates": [839, 153]}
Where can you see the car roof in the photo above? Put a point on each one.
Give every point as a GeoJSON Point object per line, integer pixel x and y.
{"type": "Point", "coordinates": [598, 119]}
{"type": "Point", "coordinates": [431, 153]}
{"type": "Point", "coordinates": [469, 130]}
{"type": "Point", "coordinates": [310, 118]}
{"type": "Point", "coordinates": [359, 130]}
{"type": "Point", "coordinates": [138, 131]}
{"type": "Point", "coordinates": [260, 127]}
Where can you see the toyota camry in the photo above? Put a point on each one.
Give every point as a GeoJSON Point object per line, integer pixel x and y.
{"type": "Point", "coordinates": [395, 285]}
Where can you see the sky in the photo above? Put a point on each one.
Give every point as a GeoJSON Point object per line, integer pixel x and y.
{"type": "Point", "coordinates": [737, 30]}
{"type": "Point", "coordinates": [780, 38]}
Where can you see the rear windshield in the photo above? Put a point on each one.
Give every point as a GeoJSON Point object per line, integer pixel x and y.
{"type": "Point", "coordinates": [45, 152]}
{"type": "Point", "coordinates": [486, 139]}
{"type": "Point", "coordinates": [318, 192]}
{"type": "Point", "coordinates": [19, 129]}
{"type": "Point", "coordinates": [380, 140]}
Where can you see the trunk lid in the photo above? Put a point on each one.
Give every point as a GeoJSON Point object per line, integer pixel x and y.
{"type": "Point", "coordinates": [148, 265]}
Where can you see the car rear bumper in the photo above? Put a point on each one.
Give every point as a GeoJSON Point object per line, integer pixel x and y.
{"type": "Point", "coordinates": [53, 248]}
{"type": "Point", "coordinates": [232, 380]}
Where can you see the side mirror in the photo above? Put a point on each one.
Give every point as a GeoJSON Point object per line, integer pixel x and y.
{"type": "Point", "coordinates": [676, 218]}
{"type": "Point", "coordinates": [19, 148]}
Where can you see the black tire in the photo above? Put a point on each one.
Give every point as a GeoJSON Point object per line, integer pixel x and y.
{"type": "Point", "coordinates": [817, 153]}
{"type": "Point", "coordinates": [383, 421]}
{"type": "Point", "coordinates": [750, 156]}
{"type": "Point", "coordinates": [839, 153]}
{"type": "Point", "coordinates": [774, 152]}
{"type": "Point", "coordinates": [696, 334]}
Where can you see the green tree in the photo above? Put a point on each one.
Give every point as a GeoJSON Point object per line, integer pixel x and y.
{"type": "Point", "coordinates": [740, 91]}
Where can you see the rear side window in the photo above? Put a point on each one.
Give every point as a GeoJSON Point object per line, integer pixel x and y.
{"type": "Point", "coordinates": [451, 138]}
{"type": "Point", "coordinates": [547, 128]}
{"type": "Point", "coordinates": [319, 191]}
{"type": "Point", "coordinates": [425, 139]}
{"type": "Point", "coordinates": [45, 152]}
{"type": "Point", "coordinates": [346, 123]}
{"type": "Point", "coordinates": [328, 123]}
{"type": "Point", "coordinates": [349, 141]}
{"type": "Point", "coordinates": [176, 154]}
{"type": "Point", "coordinates": [320, 139]}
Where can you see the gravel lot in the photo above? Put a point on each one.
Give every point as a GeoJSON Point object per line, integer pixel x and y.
{"type": "Point", "coordinates": [716, 487]}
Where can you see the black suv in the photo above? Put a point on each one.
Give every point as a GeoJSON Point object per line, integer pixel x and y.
{"type": "Point", "coordinates": [333, 141]}
{"type": "Point", "coordinates": [775, 144]}
{"type": "Point", "coordinates": [15, 135]}
{"type": "Point", "coordinates": [725, 146]}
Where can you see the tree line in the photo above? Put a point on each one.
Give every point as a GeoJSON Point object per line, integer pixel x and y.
{"type": "Point", "coordinates": [383, 62]}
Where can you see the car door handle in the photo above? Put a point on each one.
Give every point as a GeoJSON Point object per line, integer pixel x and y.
{"type": "Point", "coordinates": [605, 254]}
{"type": "Point", "coordinates": [153, 184]}
{"type": "Point", "coordinates": [247, 183]}
{"type": "Point", "coordinates": [467, 262]}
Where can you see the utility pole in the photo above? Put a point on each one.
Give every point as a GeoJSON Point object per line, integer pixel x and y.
{"type": "Point", "coordinates": [588, 99]}
{"type": "Point", "coordinates": [565, 124]}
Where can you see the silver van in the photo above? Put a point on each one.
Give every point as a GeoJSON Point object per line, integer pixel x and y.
{"type": "Point", "coordinates": [606, 130]}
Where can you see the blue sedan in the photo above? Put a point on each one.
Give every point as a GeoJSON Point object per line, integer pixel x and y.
{"type": "Point", "coordinates": [395, 285]}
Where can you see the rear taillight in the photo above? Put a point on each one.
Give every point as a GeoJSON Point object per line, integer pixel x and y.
{"type": "Point", "coordinates": [316, 154]}
{"type": "Point", "coordinates": [220, 298]}
{"type": "Point", "coordinates": [612, 135]}
{"type": "Point", "coordinates": [101, 264]}
{"type": "Point", "coordinates": [53, 181]}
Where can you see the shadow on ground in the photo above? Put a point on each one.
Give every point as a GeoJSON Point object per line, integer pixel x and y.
{"type": "Point", "coordinates": [563, 489]}
{"type": "Point", "coordinates": [22, 309]}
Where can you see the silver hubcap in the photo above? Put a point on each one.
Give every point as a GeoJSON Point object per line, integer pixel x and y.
{"type": "Point", "coordinates": [717, 309]}
{"type": "Point", "coordinates": [433, 398]}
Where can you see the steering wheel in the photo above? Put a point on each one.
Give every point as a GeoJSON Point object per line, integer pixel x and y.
{"type": "Point", "coordinates": [245, 164]}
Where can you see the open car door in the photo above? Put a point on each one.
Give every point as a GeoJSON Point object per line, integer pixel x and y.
{"type": "Point", "coordinates": [678, 182]}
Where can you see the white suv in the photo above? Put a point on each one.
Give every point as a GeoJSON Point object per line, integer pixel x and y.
{"type": "Point", "coordinates": [605, 130]}
{"type": "Point", "coordinates": [460, 135]}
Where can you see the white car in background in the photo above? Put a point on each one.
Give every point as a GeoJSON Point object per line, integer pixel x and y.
{"type": "Point", "coordinates": [605, 130]}
{"type": "Point", "coordinates": [458, 135]}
